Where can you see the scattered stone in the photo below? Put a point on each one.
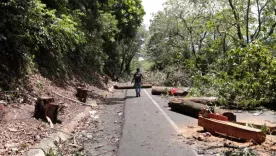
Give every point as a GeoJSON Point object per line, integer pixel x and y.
{"type": "Point", "coordinates": [37, 137]}
{"type": "Point", "coordinates": [10, 145]}
{"type": "Point", "coordinates": [12, 129]}
{"type": "Point", "coordinates": [14, 150]}
{"type": "Point", "coordinates": [227, 144]}
{"type": "Point", "coordinates": [89, 136]}
{"type": "Point", "coordinates": [3, 103]}
{"type": "Point", "coordinates": [100, 146]}
{"type": "Point", "coordinates": [120, 114]}
{"type": "Point", "coordinates": [199, 138]}
{"type": "Point", "coordinates": [256, 114]}
{"type": "Point", "coordinates": [207, 134]}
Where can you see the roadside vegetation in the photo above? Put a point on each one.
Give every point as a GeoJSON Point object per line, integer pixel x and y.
{"type": "Point", "coordinates": [60, 39]}
{"type": "Point", "coordinates": [225, 48]}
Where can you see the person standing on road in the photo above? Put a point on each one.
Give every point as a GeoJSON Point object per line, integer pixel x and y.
{"type": "Point", "coordinates": [137, 78]}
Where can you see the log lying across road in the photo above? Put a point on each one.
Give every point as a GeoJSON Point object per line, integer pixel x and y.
{"type": "Point", "coordinates": [232, 129]}
{"type": "Point", "coordinates": [157, 90]}
{"type": "Point", "coordinates": [131, 86]}
{"type": "Point", "coordinates": [186, 107]}
{"type": "Point", "coordinates": [192, 108]}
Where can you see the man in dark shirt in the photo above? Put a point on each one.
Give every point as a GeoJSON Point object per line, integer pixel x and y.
{"type": "Point", "coordinates": [137, 78]}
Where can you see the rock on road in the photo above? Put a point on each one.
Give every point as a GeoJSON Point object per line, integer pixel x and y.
{"type": "Point", "coordinates": [151, 129]}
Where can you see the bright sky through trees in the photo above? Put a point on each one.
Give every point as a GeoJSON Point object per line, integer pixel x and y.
{"type": "Point", "coordinates": [151, 6]}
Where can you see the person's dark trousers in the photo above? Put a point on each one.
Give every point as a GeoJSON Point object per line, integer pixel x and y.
{"type": "Point", "coordinates": [137, 89]}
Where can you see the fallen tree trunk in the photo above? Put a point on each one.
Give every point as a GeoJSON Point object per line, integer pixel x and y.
{"type": "Point", "coordinates": [156, 90]}
{"type": "Point", "coordinates": [231, 129]}
{"type": "Point", "coordinates": [186, 107]}
{"type": "Point", "coordinates": [160, 90]}
{"type": "Point", "coordinates": [131, 86]}
{"type": "Point", "coordinates": [192, 108]}
{"type": "Point", "coordinates": [203, 100]}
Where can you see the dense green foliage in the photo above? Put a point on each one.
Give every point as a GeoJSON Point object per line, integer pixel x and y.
{"type": "Point", "coordinates": [62, 37]}
{"type": "Point", "coordinates": [225, 46]}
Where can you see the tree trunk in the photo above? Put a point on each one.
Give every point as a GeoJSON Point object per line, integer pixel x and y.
{"type": "Point", "coordinates": [122, 65]}
{"type": "Point", "coordinates": [190, 108]}
{"type": "Point", "coordinates": [247, 20]}
{"type": "Point", "coordinates": [81, 94]}
{"type": "Point", "coordinates": [167, 90]}
{"type": "Point", "coordinates": [45, 106]}
{"type": "Point", "coordinates": [131, 86]}
{"type": "Point", "coordinates": [202, 100]}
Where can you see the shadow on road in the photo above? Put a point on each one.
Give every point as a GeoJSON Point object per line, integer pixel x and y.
{"type": "Point", "coordinates": [131, 97]}
{"type": "Point", "coordinates": [190, 114]}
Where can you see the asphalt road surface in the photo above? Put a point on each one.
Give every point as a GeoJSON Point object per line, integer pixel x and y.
{"type": "Point", "coordinates": [151, 128]}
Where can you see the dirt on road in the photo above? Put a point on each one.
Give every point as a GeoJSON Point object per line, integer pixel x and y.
{"type": "Point", "coordinates": [99, 133]}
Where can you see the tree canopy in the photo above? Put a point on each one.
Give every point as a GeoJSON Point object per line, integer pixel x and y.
{"type": "Point", "coordinates": [60, 37]}
{"type": "Point", "coordinates": [226, 46]}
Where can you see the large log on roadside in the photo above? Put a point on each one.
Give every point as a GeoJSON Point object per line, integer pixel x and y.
{"type": "Point", "coordinates": [45, 106]}
{"type": "Point", "coordinates": [192, 108]}
{"type": "Point", "coordinates": [160, 90]}
{"type": "Point", "coordinates": [203, 100]}
{"type": "Point", "coordinates": [157, 90]}
{"type": "Point", "coordinates": [186, 107]}
{"type": "Point", "coordinates": [232, 130]}
{"type": "Point", "coordinates": [131, 86]}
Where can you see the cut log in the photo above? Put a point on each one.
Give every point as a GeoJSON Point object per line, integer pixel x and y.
{"type": "Point", "coordinates": [231, 116]}
{"type": "Point", "coordinates": [82, 94]}
{"type": "Point", "coordinates": [232, 130]}
{"type": "Point", "coordinates": [192, 108]}
{"type": "Point", "coordinates": [45, 106]}
{"type": "Point", "coordinates": [187, 107]}
{"type": "Point", "coordinates": [160, 90]}
{"type": "Point", "coordinates": [270, 129]}
{"type": "Point", "coordinates": [203, 100]}
{"type": "Point", "coordinates": [156, 90]}
{"type": "Point", "coordinates": [131, 86]}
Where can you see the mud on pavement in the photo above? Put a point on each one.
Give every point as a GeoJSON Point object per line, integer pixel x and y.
{"type": "Point", "coordinates": [99, 133]}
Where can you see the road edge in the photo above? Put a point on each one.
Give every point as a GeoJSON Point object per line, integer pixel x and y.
{"type": "Point", "coordinates": [65, 132]}
{"type": "Point", "coordinates": [61, 135]}
{"type": "Point", "coordinates": [122, 124]}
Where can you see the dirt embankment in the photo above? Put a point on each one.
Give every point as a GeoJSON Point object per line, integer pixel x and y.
{"type": "Point", "coordinates": [19, 130]}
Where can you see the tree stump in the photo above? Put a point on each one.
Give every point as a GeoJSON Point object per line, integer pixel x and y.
{"type": "Point", "coordinates": [81, 94]}
{"type": "Point", "coordinates": [45, 106]}
{"type": "Point", "coordinates": [106, 80]}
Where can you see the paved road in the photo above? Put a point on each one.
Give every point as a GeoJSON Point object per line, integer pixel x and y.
{"type": "Point", "coordinates": [151, 129]}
